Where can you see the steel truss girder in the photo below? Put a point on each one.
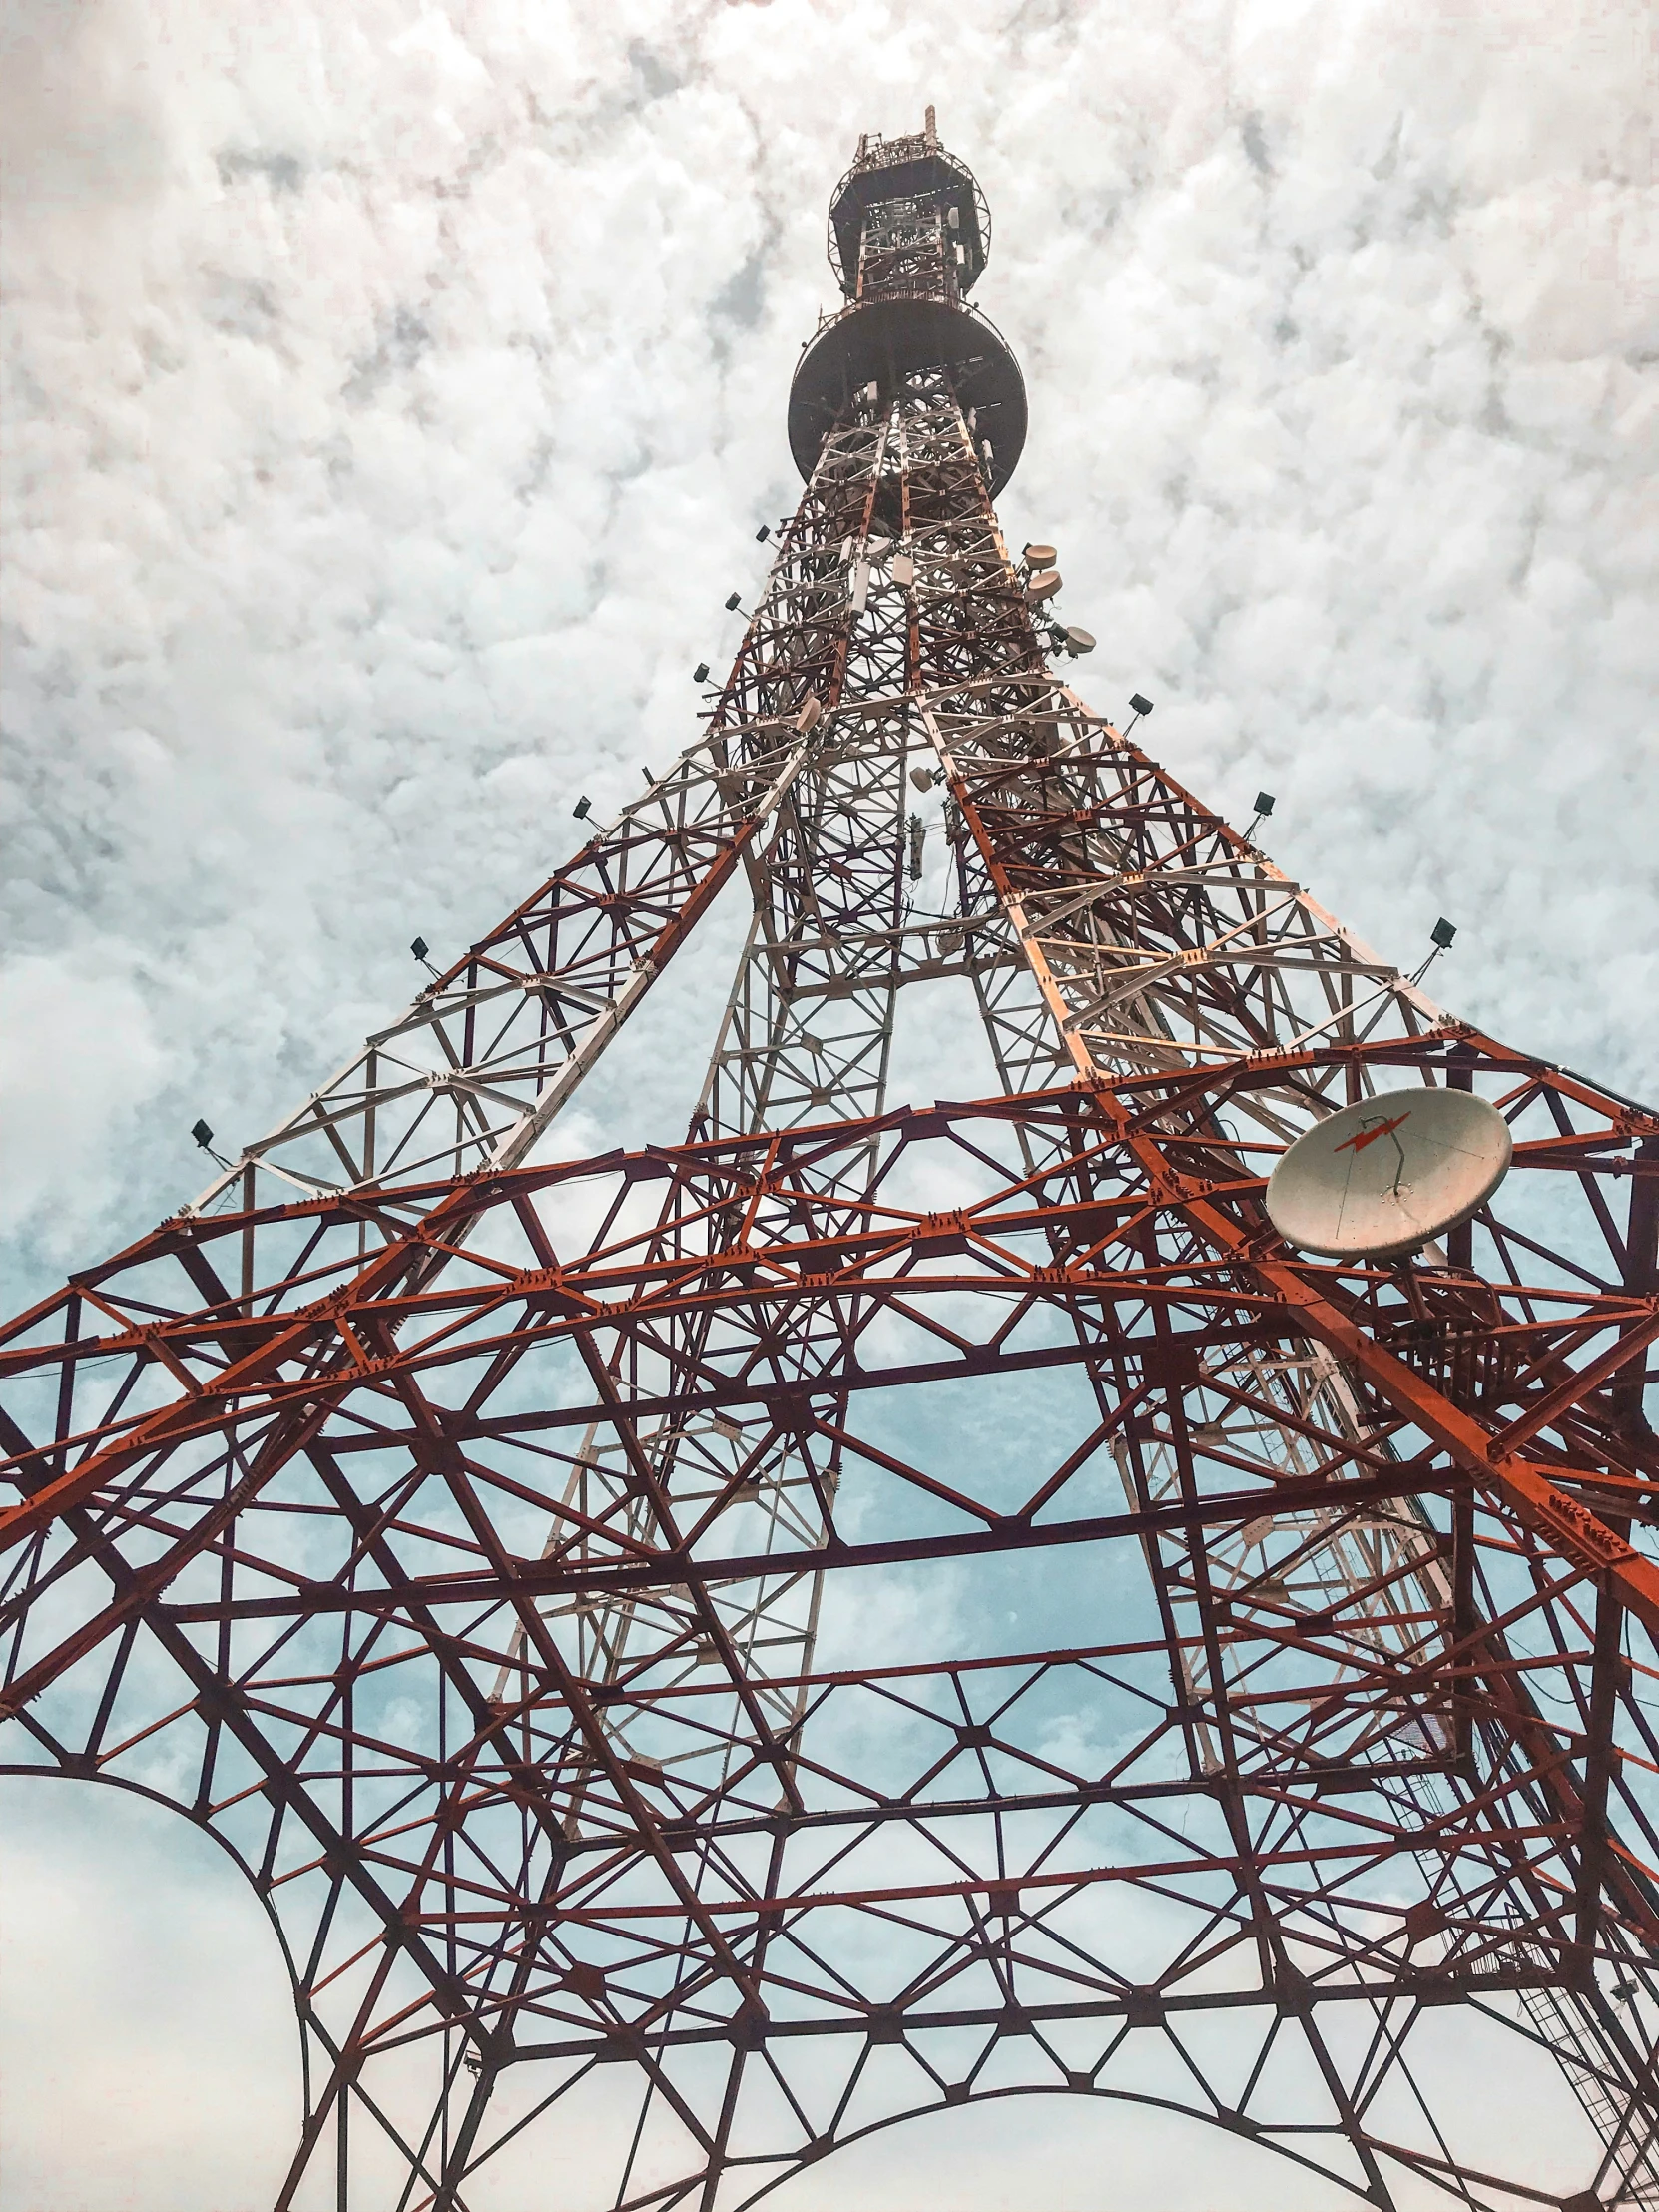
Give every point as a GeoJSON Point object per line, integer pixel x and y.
{"type": "Point", "coordinates": [559, 1456]}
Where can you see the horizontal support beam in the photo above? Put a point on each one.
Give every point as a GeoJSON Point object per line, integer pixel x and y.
{"type": "Point", "coordinates": [672, 1569]}
{"type": "Point", "coordinates": [1126, 2010]}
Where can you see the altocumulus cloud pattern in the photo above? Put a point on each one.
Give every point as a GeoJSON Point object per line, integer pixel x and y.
{"type": "Point", "coordinates": [381, 386]}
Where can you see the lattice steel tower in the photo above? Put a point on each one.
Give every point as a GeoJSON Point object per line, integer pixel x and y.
{"type": "Point", "coordinates": [493, 1549]}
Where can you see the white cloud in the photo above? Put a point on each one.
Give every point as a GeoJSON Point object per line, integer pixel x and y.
{"type": "Point", "coordinates": [393, 391]}
{"type": "Point", "coordinates": [180, 2080]}
{"type": "Point", "coordinates": [79, 1059]}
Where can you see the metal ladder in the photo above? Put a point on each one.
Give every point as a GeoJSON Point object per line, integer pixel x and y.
{"type": "Point", "coordinates": [1635, 2163]}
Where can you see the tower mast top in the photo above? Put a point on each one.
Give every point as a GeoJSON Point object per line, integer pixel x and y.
{"type": "Point", "coordinates": [907, 214]}
{"type": "Point", "coordinates": [910, 235]}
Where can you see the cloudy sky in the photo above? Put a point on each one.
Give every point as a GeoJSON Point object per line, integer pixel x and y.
{"type": "Point", "coordinates": [392, 397]}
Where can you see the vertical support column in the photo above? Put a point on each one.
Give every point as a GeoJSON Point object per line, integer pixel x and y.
{"type": "Point", "coordinates": [1465, 1623]}
{"type": "Point", "coordinates": [1460, 1076]}
{"type": "Point", "coordinates": [1641, 1279]}
{"type": "Point", "coordinates": [809, 1024]}
{"type": "Point", "coordinates": [1592, 1848]}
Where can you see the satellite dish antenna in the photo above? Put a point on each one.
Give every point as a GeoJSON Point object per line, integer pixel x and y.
{"type": "Point", "coordinates": [1389, 1173]}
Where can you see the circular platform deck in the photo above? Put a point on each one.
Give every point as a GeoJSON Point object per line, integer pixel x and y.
{"type": "Point", "coordinates": [884, 341]}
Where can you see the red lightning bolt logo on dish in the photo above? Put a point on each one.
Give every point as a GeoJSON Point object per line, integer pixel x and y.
{"type": "Point", "coordinates": [1363, 1137]}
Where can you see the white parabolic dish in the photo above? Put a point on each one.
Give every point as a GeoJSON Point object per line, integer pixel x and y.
{"type": "Point", "coordinates": [1388, 1173]}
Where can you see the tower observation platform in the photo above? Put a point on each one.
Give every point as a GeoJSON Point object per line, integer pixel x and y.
{"type": "Point", "coordinates": [1130, 1577]}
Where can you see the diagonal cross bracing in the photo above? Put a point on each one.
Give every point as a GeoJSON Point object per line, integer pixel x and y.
{"type": "Point", "coordinates": [496, 1551]}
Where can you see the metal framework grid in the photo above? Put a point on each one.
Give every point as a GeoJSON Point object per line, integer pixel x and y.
{"type": "Point", "coordinates": [448, 1527]}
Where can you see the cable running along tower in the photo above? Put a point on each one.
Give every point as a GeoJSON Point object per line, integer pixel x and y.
{"type": "Point", "coordinates": [580, 1593]}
